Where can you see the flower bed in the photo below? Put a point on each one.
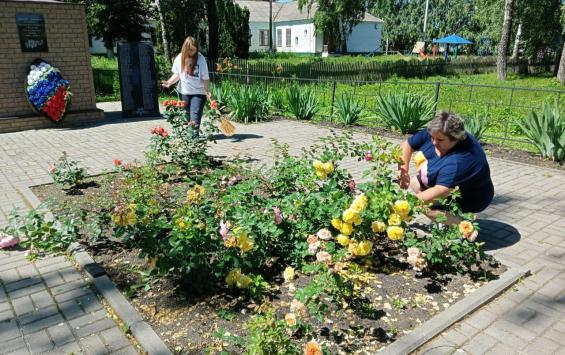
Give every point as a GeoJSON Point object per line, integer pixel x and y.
{"type": "Point", "coordinates": [290, 258]}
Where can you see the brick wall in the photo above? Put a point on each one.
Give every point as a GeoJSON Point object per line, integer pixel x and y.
{"type": "Point", "coordinates": [67, 42]}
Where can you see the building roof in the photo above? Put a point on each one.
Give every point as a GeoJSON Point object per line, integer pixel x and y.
{"type": "Point", "coordinates": [288, 11]}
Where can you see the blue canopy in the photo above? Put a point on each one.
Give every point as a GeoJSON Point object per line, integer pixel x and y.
{"type": "Point", "coordinates": [452, 39]}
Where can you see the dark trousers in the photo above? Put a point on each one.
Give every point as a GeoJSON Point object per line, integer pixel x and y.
{"type": "Point", "coordinates": [194, 108]}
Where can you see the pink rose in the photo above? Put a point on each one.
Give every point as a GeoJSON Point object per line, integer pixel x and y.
{"type": "Point", "coordinates": [324, 234]}
{"type": "Point", "coordinates": [324, 257]}
{"type": "Point", "coordinates": [51, 169]}
{"type": "Point", "coordinates": [224, 229]}
{"type": "Point", "coordinates": [368, 155]}
{"type": "Point", "coordinates": [8, 241]}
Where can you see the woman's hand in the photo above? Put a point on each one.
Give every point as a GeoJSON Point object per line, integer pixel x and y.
{"type": "Point", "coordinates": [165, 84]}
{"type": "Point", "coordinates": [403, 178]}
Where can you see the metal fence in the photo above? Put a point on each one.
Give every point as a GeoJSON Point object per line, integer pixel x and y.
{"type": "Point", "coordinates": [502, 106]}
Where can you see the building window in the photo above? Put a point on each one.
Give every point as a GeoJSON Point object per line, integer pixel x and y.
{"type": "Point", "coordinates": [305, 33]}
{"type": "Point", "coordinates": [296, 41]}
{"type": "Point", "coordinates": [288, 37]}
{"type": "Point", "coordinates": [279, 38]}
{"type": "Point", "coordinates": [263, 37]}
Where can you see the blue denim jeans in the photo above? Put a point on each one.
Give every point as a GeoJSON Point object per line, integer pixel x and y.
{"type": "Point", "coordinates": [194, 108]}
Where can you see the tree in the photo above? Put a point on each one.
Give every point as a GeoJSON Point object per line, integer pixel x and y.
{"type": "Point", "coordinates": [504, 39]}
{"type": "Point", "coordinates": [213, 32]}
{"type": "Point", "coordinates": [163, 32]}
{"type": "Point", "coordinates": [335, 19]}
{"type": "Point", "coordinates": [561, 71]}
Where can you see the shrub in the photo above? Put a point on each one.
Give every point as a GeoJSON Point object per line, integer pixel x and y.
{"type": "Point", "coordinates": [249, 103]}
{"type": "Point", "coordinates": [476, 125]}
{"type": "Point", "coordinates": [407, 113]}
{"type": "Point", "coordinates": [546, 129]}
{"type": "Point", "coordinates": [302, 102]}
{"type": "Point", "coordinates": [66, 172]}
{"type": "Point", "coordinates": [268, 335]}
{"type": "Point", "coordinates": [278, 99]}
{"type": "Point", "coordinates": [348, 109]}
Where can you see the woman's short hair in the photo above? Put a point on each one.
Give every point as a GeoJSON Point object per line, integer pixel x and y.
{"type": "Point", "coordinates": [449, 124]}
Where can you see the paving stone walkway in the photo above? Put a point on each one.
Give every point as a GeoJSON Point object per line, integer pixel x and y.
{"type": "Point", "coordinates": [46, 306]}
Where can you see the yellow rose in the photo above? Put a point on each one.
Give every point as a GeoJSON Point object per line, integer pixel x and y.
{"type": "Point", "coordinates": [328, 167]}
{"type": "Point", "coordinates": [357, 220]}
{"type": "Point", "coordinates": [349, 215]}
{"type": "Point", "coordinates": [419, 159]}
{"type": "Point", "coordinates": [318, 165]}
{"type": "Point", "coordinates": [288, 274]}
{"type": "Point", "coordinates": [243, 281]}
{"type": "Point", "coordinates": [378, 227]}
{"type": "Point", "coordinates": [181, 224]}
{"type": "Point", "coordinates": [353, 248]}
{"type": "Point", "coordinates": [290, 319]}
{"type": "Point", "coordinates": [360, 203]}
{"type": "Point", "coordinates": [343, 240]}
{"type": "Point", "coordinates": [364, 248]}
{"type": "Point", "coordinates": [244, 243]}
{"type": "Point", "coordinates": [336, 223]}
{"type": "Point", "coordinates": [395, 232]}
{"type": "Point", "coordinates": [401, 207]}
{"type": "Point", "coordinates": [232, 277]}
{"type": "Point", "coordinates": [346, 228]}
{"type": "Point", "coordinates": [394, 220]}
{"type": "Point", "coordinates": [230, 242]}
{"type": "Point", "coordinates": [321, 174]}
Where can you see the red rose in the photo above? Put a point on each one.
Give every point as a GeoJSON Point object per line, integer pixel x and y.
{"type": "Point", "coordinates": [214, 105]}
{"type": "Point", "coordinates": [117, 162]}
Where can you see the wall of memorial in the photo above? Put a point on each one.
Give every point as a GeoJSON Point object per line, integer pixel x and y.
{"type": "Point", "coordinates": [64, 45]}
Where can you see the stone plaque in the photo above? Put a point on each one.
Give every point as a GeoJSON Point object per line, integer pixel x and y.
{"type": "Point", "coordinates": [31, 29]}
{"type": "Point", "coordinates": [138, 80]}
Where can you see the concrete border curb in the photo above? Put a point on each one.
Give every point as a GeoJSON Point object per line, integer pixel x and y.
{"type": "Point", "coordinates": [433, 327]}
{"type": "Point", "coordinates": [143, 333]}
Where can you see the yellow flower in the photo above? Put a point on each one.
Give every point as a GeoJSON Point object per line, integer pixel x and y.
{"type": "Point", "coordinates": [357, 220]}
{"type": "Point", "coordinates": [194, 195]}
{"type": "Point", "coordinates": [394, 220]}
{"type": "Point", "coordinates": [346, 228]}
{"type": "Point", "coordinates": [364, 248]}
{"type": "Point", "coordinates": [336, 223]}
{"type": "Point", "coordinates": [360, 203]}
{"type": "Point", "coordinates": [321, 174]}
{"type": "Point", "coordinates": [353, 248]}
{"type": "Point", "coordinates": [343, 240]}
{"type": "Point", "coordinates": [328, 167]}
{"type": "Point", "coordinates": [244, 243]}
{"type": "Point", "coordinates": [395, 232]}
{"type": "Point", "coordinates": [312, 348]}
{"type": "Point", "coordinates": [181, 223]}
{"type": "Point", "coordinates": [466, 228]}
{"type": "Point", "coordinates": [243, 281]}
{"type": "Point", "coordinates": [401, 207]}
{"type": "Point", "coordinates": [288, 274]}
{"type": "Point", "coordinates": [230, 242]}
{"type": "Point", "coordinates": [378, 227]}
{"type": "Point", "coordinates": [419, 159]}
{"type": "Point", "coordinates": [124, 215]}
{"type": "Point", "coordinates": [349, 215]}
{"type": "Point", "coordinates": [232, 277]}
{"type": "Point", "coordinates": [318, 165]}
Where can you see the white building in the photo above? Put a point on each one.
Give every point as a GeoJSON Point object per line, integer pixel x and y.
{"type": "Point", "coordinates": [294, 30]}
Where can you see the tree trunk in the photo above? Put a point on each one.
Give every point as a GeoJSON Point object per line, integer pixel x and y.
{"type": "Point", "coordinates": [561, 72]}
{"type": "Point", "coordinates": [343, 36]}
{"type": "Point", "coordinates": [504, 39]}
{"type": "Point", "coordinates": [163, 31]}
{"type": "Point", "coordinates": [213, 33]}
{"type": "Point", "coordinates": [517, 41]}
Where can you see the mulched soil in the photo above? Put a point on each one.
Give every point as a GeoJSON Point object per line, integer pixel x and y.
{"type": "Point", "coordinates": [393, 301]}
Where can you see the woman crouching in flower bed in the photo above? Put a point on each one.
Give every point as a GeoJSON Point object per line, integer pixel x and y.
{"type": "Point", "coordinates": [449, 158]}
{"type": "Point", "coordinates": [191, 69]}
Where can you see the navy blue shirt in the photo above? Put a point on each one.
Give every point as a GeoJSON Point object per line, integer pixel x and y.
{"type": "Point", "coordinates": [465, 165]}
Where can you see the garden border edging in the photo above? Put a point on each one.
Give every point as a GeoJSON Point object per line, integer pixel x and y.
{"type": "Point", "coordinates": [142, 332]}
{"type": "Point", "coordinates": [465, 307]}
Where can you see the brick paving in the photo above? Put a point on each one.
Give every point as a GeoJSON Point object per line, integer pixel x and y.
{"type": "Point", "coordinates": [47, 306]}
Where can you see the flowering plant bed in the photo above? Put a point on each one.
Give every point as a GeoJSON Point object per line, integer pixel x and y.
{"type": "Point", "coordinates": [297, 257]}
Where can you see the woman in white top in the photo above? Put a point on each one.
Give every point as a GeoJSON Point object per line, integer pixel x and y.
{"type": "Point", "coordinates": [191, 69]}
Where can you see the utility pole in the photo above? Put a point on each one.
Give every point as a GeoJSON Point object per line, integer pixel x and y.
{"type": "Point", "coordinates": [270, 26]}
{"type": "Point", "coordinates": [426, 20]}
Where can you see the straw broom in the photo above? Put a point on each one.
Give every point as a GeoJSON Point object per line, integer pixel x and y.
{"type": "Point", "coordinates": [227, 128]}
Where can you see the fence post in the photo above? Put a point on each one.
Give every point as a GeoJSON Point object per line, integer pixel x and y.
{"type": "Point", "coordinates": [333, 100]}
{"type": "Point", "coordinates": [436, 96]}
{"type": "Point", "coordinates": [511, 96]}
{"type": "Point", "coordinates": [247, 72]}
